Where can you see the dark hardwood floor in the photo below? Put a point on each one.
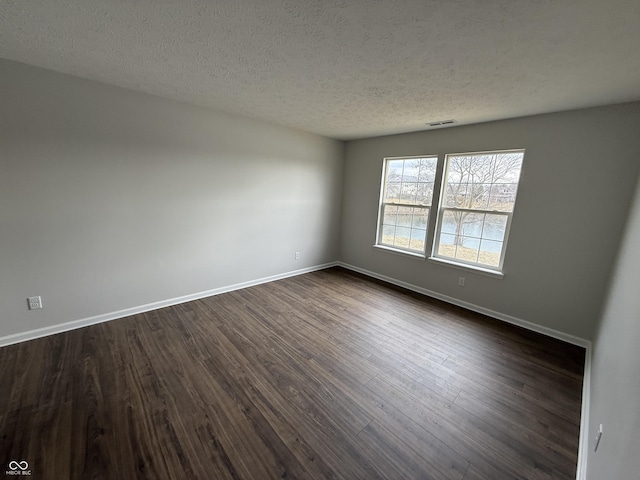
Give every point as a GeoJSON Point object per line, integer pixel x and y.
{"type": "Point", "coordinates": [328, 375]}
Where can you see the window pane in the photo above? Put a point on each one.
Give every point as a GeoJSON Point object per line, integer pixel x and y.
{"type": "Point", "coordinates": [392, 192]}
{"type": "Point", "coordinates": [503, 197]}
{"type": "Point", "coordinates": [424, 193]}
{"type": "Point", "coordinates": [410, 180]}
{"type": "Point", "coordinates": [470, 224]}
{"type": "Point", "coordinates": [507, 167]}
{"type": "Point", "coordinates": [452, 221]}
{"type": "Point", "coordinates": [417, 239]}
{"type": "Point", "coordinates": [481, 168]}
{"type": "Point", "coordinates": [470, 177]}
{"type": "Point", "coordinates": [467, 248]}
{"type": "Point", "coordinates": [411, 170]}
{"type": "Point", "coordinates": [428, 170]}
{"type": "Point", "coordinates": [455, 195]}
{"type": "Point", "coordinates": [404, 216]}
{"type": "Point", "coordinates": [490, 253]}
{"type": "Point", "coordinates": [495, 227]}
{"type": "Point", "coordinates": [404, 227]}
{"type": "Point", "coordinates": [447, 247]}
{"type": "Point", "coordinates": [477, 237]}
{"type": "Point", "coordinates": [478, 195]}
{"type": "Point", "coordinates": [457, 169]}
{"type": "Point", "coordinates": [462, 223]}
{"type": "Point", "coordinates": [420, 217]}
{"type": "Point", "coordinates": [408, 194]}
{"type": "Point", "coordinates": [390, 215]}
{"type": "Point", "coordinates": [472, 243]}
{"type": "Point", "coordinates": [388, 234]}
{"type": "Point", "coordinates": [394, 170]}
{"type": "Point", "coordinates": [403, 234]}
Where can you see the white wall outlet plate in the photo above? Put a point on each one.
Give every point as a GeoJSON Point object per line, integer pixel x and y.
{"type": "Point", "coordinates": [34, 303]}
{"type": "Point", "coordinates": [598, 437]}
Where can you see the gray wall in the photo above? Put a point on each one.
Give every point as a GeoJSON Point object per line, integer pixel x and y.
{"type": "Point", "coordinates": [112, 199]}
{"type": "Point", "coordinates": [615, 379]}
{"type": "Point", "coordinates": [577, 182]}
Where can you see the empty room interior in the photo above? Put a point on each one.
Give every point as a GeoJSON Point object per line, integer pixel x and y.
{"type": "Point", "coordinates": [320, 239]}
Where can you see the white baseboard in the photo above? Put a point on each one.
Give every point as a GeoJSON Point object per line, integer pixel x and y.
{"type": "Point", "coordinates": [85, 322]}
{"type": "Point", "coordinates": [583, 446]}
{"type": "Point", "coordinates": [550, 332]}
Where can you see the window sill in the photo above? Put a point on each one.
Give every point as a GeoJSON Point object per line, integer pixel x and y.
{"type": "Point", "coordinates": [463, 266]}
{"type": "Point", "coordinates": [398, 251]}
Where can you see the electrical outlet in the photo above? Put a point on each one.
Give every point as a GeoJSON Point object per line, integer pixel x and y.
{"type": "Point", "coordinates": [598, 437]}
{"type": "Point", "coordinates": [461, 281]}
{"type": "Point", "coordinates": [34, 303]}
{"type": "Point", "coordinates": [297, 255]}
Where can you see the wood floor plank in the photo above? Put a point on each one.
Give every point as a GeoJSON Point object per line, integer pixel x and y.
{"type": "Point", "coordinates": [404, 462]}
{"type": "Point", "coordinates": [327, 375]}
{"type": "Point", "coordinates": [41, 436]}
{"type": "Point", "coordinates": [440, 457]}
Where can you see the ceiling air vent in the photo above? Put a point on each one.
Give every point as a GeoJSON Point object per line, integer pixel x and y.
{"type": "Point", "coordinates": [441, 123]}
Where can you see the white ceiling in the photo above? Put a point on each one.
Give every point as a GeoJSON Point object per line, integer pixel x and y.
{"type": "Point", "coordinates": [343, 68]}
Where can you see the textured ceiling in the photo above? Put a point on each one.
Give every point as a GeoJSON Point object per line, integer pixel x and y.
{"type": "Point", "coordinates": [344, 69]}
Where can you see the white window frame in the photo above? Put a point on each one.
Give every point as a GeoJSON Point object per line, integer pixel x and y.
{"type": "Point", "coordinates": [382, 205]}
{"type": "Point", "coordinates": [441, 211]}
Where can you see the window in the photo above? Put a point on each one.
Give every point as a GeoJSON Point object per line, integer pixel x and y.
{"type": "Point", "coordinates": [476, 204]}
{"type": "Point", "coordinates": [407, 192]}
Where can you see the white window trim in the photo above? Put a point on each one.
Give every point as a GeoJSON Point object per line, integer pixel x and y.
{"type": "Point", "coordinates": [436, 237]}
{"type": "Point", "coordinates": [436, 205]}
{"type": "Point", "coordinates": [401, 251]}
{"type": "Point", "coordinates": [381, 205]}
{"type": "Point", "coordinates": [463, 266]}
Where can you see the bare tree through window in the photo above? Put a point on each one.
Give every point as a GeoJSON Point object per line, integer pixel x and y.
{"type": "Point", "coordinates": [474, 205]}
{"type": "Point", "coordinates": [479, 196]}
